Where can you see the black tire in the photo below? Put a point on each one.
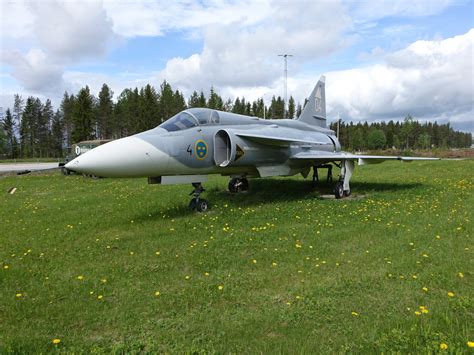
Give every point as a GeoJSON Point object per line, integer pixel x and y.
{"type": "Point", "coordinates": [65, 171]}
{"type": "Point", "coordinates": [202, 205]}
{"type": "Point", "coordinates": [339, 190]}
{"type": "Point", "coordinates": [347, 193]}
{"type": "Point", "coordinates": [233, 186]}
{"type": "Point", "coordinates": [245, 185]}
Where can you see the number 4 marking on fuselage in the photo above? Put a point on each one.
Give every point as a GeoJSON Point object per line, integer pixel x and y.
{"type": "Point", "coordinates": [189, 150]}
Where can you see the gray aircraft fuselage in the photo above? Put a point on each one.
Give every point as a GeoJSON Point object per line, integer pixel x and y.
{"type": "Point", "coordinates": [200, 141]}
{"type": "Point", "coordinates": [214, 143]}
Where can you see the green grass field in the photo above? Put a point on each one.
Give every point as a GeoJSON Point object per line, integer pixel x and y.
{"type": "Point", "coordinates": [119, 265]}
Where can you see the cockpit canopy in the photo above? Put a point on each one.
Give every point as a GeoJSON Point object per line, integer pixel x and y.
{"type": "Point", "coordinates": [191, 118]}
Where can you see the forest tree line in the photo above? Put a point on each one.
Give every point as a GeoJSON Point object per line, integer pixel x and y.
{"type": "Point", "coordinates": [35, 129]}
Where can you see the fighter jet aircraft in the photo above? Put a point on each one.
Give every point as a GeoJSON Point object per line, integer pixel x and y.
{"type": "Point", "coordinates": [199, 141]}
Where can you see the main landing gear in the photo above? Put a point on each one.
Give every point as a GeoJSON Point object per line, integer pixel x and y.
{"type": "Point", "coordinates": [197, 203]}
{"type": "Point", "coordinates": [238, 184]}
{"type": "Point", "coordinates": [342, 188]}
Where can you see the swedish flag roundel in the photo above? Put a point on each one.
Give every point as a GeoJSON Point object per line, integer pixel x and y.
{"type": "Point", "coordinates": [201, 149]}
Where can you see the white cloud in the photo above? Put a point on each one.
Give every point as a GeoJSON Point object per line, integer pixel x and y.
{"type": "Point", "coordinates": [428, 79]}
{"type": "Point", "coordinates": [243, 56]}
{"type": "Point", "coordinates": [70, 31]}
{"type": "Point", "coordinates": [16, 21]}
{"type": "Point", "coordinates": [58, 33]}
{"type": "Point", "coordinates": [35, 71]}
{"type": "Point", "coordinates": [154, 18]}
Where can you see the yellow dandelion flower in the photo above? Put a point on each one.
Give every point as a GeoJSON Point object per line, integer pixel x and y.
{"type": "Point", "coordinates": [274, 264]}
{"type": "Point", "coordinates": [254, 261]}
{"type": "Point", "coordinates": [103, 281]}
{"type": "Point", "coordinates": [288, 303]}
{"type": "Point", "coordinates": [424, 310]}
{"type": "Point", "coordinates": [425, 289]}
{"type": "Point", "coordinates": [99, 297]}
{"type": "Point", "coordinates": [355, 314]}
{"type": "Point", "coordinates": [443, 346]}
{"type": "Point", "coordinates": [157, 253]}
{"type": "Point", "coordinates": [56, 341]}
{"type": "Point", "coordinates": [157, 293]}
{"type": "Point", "coordinates": [187, 277]}
{"type": "Point", "coordinates": [80, 277]}
{"type": "Point", "coordinates": [418, 313]}
{"type": "Point", "coordinates": [460, 274]}
{"type": "Point", "coordinates": [220, 287]}
{"type": "Point", "coordinates": [206, 274]}
{"type": "Point", "coordinates": [450, 294]}
{"type": "Point", "coordinates": [6, 266]}
{"type": "Point", "coordinates": [18, 295]}
{"type": "Point", "coordinates": [470, 344]}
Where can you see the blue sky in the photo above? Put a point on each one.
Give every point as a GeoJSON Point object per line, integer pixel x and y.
{"type": "Point", "coordinates": [382, 58]}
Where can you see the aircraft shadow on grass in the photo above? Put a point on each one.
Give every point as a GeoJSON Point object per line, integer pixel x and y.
{"type": "Point", "coordinates": [273, 190]}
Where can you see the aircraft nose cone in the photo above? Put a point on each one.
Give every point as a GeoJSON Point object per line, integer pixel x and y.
{"type": "Point", "coordinates": [126, 157]}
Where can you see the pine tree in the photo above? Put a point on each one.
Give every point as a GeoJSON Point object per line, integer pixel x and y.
{"type": "Point", "coordinates": [237, 107]}
{"type": "Point", "coordinates": [166, 102]}
{"type": "Point", "coordinates": [277, 108]}
{"type": "Point", "coordinates": [8, 126]}
{"type": "Point", "coordinates": [291, 108]}
{"type": "Point", "coordinates": [83, 116]}
{"type": "Point", "coordinates": [3, 142]}
{"type": "Point", "coordinates": [193, 100]}
{"type": "Point", "coordinates": [298, 110]}
{"type": "Point", "coordinates": [105, 113]}
{"type": "Point", "coordinates": [149, 108]}
{"type": "Point", "coordinates": [202, 100]}
{"type": "Point", "coordinates": [215, 101]}
{"type": "Point", "coordinates": [44, 124]}
{"type": "Point", "coordinates": [178, 102]}
{"type": "Point", "coordinates": [57, 136]}
{"type": "Point", "coordinates": [18, 107]}
{"type": "Point", "coordinates": [127, 111]}
{"type": "Point", "coordinates": [67, 107]}
{"type": "Point", "coordinates": [28, 130]}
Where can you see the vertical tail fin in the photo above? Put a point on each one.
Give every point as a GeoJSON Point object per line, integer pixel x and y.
{"type": "Point", "coordinates": [314, 112]}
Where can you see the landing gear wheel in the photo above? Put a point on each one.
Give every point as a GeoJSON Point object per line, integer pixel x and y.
{"type": "Point", "coordinates": [202, 205]}
{"type": "Point", "coordinates": [233, 187]}
{"type": "Point", "coordinates": [347, 193]}
{"type": "Point", "coordinates": [339, 190]}
{"type": "Point", "coordinates": [238, 185]}
{"type": "Point", "coordinates": [245, 184]}
{"type": "Point", "coordinates": [65, 171]}
{"type": "Point", "coordinates": [198, 203]}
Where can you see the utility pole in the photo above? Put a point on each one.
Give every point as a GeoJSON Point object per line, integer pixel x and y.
{"type": "Point", "coordinates": [285, 57]}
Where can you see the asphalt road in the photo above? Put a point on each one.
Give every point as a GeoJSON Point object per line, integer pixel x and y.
{"type": "Point", "coordinates": [17, 167]}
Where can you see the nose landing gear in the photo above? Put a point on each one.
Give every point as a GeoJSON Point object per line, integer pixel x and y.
{"type": "Point", "coordinates": [197, 203]}
{"type": "Point", "coordinates": [238, 184]}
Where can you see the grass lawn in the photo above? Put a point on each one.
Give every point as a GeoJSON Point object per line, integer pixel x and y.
{"type": "Point", "coordinates": [119, 265]}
